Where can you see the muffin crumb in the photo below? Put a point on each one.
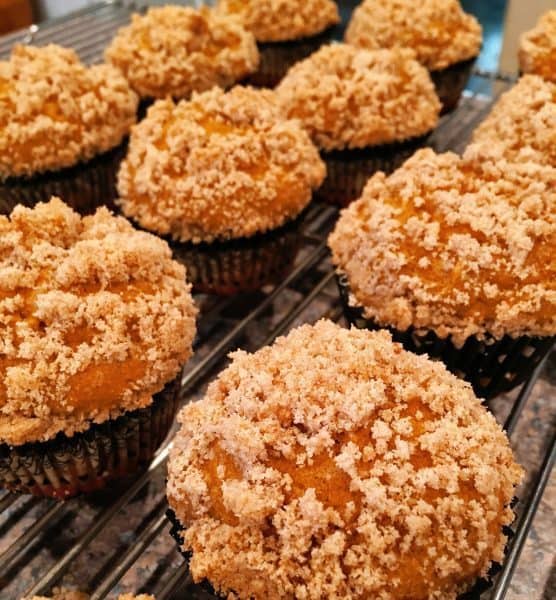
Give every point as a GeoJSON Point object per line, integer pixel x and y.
{"type": "Point", "coordinates": [537, 48]}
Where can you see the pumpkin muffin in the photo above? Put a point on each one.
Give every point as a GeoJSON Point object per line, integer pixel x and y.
{"type": "Point", "coordinates": [177, 50]}
{"type": "Point", "coordinates": [444, 37]}
{"type": "Point", "coordinates": [96, 321]}
{"type": "Point", "coordinates": [456, 256]}
{"type": "Point", "coordinates": [537, 50]}
{"type": "Point", "coordinates": [523, 121]}
{"type": "Point", "coordinates": [334, 464]}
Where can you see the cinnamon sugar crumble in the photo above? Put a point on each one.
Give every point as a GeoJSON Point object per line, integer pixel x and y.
{"type": "Point", "coordinates": [281, 20]}
{"type": "Point", "coordinates": [55, 112]}
{"type": "Point", "coordinates": [95, 318]}
{"type": "Point", "coordinates": [223, 165]}
{"type": "Point", "coordinates": [349, 98]}
{"type": "Point", "coordinates": [334, 464]}
{"type": "Point", "coordinates": [461, 246]}
{"type": "Point", "coordinates": [439, 31]}
{"type": "Point", "coordinates": [537, 50]}
{"type": "Point", "coordinates": [523, 121]}
{"type": "Point", "coordinates": [176, 50]}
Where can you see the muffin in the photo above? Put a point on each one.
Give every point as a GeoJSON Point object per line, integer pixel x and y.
{"type": "Point", "coordinates": [523, 121]}
{"type": "Point", "coordinates": [382, 101]}
{"type": "Point", "coordinates": [287, 31]}
{"type": "Point", "coordinates": [455, 256]}
{"type": "Point", "coordinates": [56, 113]}
{"type": "Point", "coordinates": [177, 50]}
{"type": "Point", "coordinates": [537, 49]}
{"type": "Point", "coordinates": [334, 464]}
{"type": "Point", "coordinates": [97, 321]}
{"type": "Point", "coordinates": [445, 38]}
{"type": "Point", "coordinates": [216, 170]}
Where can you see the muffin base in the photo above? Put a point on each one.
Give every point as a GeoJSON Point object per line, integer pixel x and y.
{"type": "Point", "coordinates": [492, 366]}
{"type": "Point", "coordinates": [67, 466]}
{"type": "Point", "coordinates": [450, 82]}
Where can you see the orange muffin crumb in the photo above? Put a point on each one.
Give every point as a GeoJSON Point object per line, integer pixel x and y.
{"type": "Point", "coordinates": [439, 31]}
{"type": "Point", "coordinates": [350, 98]}
{"type": "Point", "coordinates": [460, 246]}
{"type": "Point", "coordinates": [537, 49]}
{"type": "Point", "coordinates": [95, 318]}
{"type": "Point", "coordinates": [177, 50]}
{"type": "Point", "coordinates": [56, 112]}
{"type": "Point", "coordinates": [282, 20]}
{"type": "Point", "coordinates": [223, 165]}
{"type": "Point", "coordinates": [334, 464]}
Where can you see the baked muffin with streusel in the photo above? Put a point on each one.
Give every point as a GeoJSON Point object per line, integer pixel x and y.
{"type": "Point", "coordinates": [334, 464]}
{"type": "Point", "coordinates": [222, 166]}
{"type": "Point", "coordinates": [537, 48]}
{"type": "Point", "coordinates": [177, 50]}
{"type": "Point", "coordinates": [96, 322]}
{"type": "Point", "coordinates": [444, 37]}
{"type": "Point", "coordinates": [55, 113]}
{"type": "Point", "coordinates": [523, 121]}
{"type": "Point", "coordinates": [456, 256]}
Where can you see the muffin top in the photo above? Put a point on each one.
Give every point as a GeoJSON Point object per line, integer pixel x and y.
{"type": "Point", "coordinates": [95, 318]}
{"type": "Point", "coordinates": [350, 98]}
{"type": "Point", "coordinates": [223, 165]}
{"type": "Point", "coordinates": [438, 31]}
{"type": "Point", "coordinates": [281, 20]}
{"type": "Point", "coordinates": [55, 112]}
{"type": "Point", "coordinates": [176, 50]}
{"type": "Point", "coordinates": [523, 121]}
{"type": "Point", "coordinates": [462, 246]}
{"type": "Point", "coordinates": [335, 451]}
{"type": "Point", "coordinates": [537, 50]}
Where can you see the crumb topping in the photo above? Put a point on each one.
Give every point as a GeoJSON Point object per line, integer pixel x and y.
{"type": "Point", "coordinates": [223, 165]}
{"type": "Point", "coordinates": [537, 49]}
{"type": "Point", "coordinates": [462, 246]}
{"type": "Point", "coordinates": [334, 464]}
{"type": "Point", "coordinates": [439, 31]}
{"type": "Point", "coordinates": [523, 121]}
{"type": "Point", "coordinates": [176, 50]}
{"type": "Point", "coordinates": [95, 318]}
{"type": "Point", "coordinates": [350, 98]}
{"type": "Point", "coordinates": [282, 20]}
{"type": "Point", "coordinates": [56, 112]}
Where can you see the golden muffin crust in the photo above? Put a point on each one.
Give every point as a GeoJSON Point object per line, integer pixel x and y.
{"type": "Point", "coordinates": [95, 318]}
{"type": "Point", "coordinates": [461, 246]}
{"type": "Point", "coordinates": [282, 20]}
{"type": "Point", "coordinates": [523, 121]}
{"type": "Point", "coordinates": [56, 112]}
{"type": "Point", "coordinates": [350, 98]}
{"type": "Point", "coordinates": [439, 31]}
{"type": "Point", "coordinates": [177, 50]}
{"type": "Point", "coordinates": [334, 464]}
{"type": "Point", "coordinates": [223, 165]}
{"type": "Point", "coordinates": [537, 49]}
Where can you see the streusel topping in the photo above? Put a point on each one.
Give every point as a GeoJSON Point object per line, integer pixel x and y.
{"type": "Point", "coordinates": [462, 246]}
{"type": "Point", "coordinates": [439, 31]}
{"type": "Point", "coordinates": [537, 50]}
{"type": "Point", "coordinates": [281, 20]}
{"type": "Point", "coordinates": [523, 121]}
{"type": "Point", "coordinates": [95, 318]}
{"type": "Point", "coordinates": [56, 112]}
{"type": "Point", "coordinates": [223, 165]}
{"type": "Point", "coordinates": [350, 98]}
{"type": "Point", "coordinates": [334, 464]}
{"type": "Point", "coordinates": [176, 50]}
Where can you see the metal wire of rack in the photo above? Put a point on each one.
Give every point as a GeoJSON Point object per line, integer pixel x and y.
{"type": "Point", "coordinates": [118, 540]}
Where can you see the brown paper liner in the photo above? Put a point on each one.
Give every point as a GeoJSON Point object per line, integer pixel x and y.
{"type": "Point", "coordinates": [492, 366]}
{"type": "Point", "coordinates": [450, 83]}
{"type": "Point", "coordinates": [66, 466]}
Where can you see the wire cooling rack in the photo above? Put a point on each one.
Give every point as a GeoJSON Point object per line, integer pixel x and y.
{"type": "Point", "coordinates": [118, 539]}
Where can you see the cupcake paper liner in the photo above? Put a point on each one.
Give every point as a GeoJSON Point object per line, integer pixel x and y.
{"type": "Point", "coordinates": [66, 466]}
{"type": "Point", "coordinates": [450, 83]}
{"type": "Point", "coordinates": [490, 365]}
